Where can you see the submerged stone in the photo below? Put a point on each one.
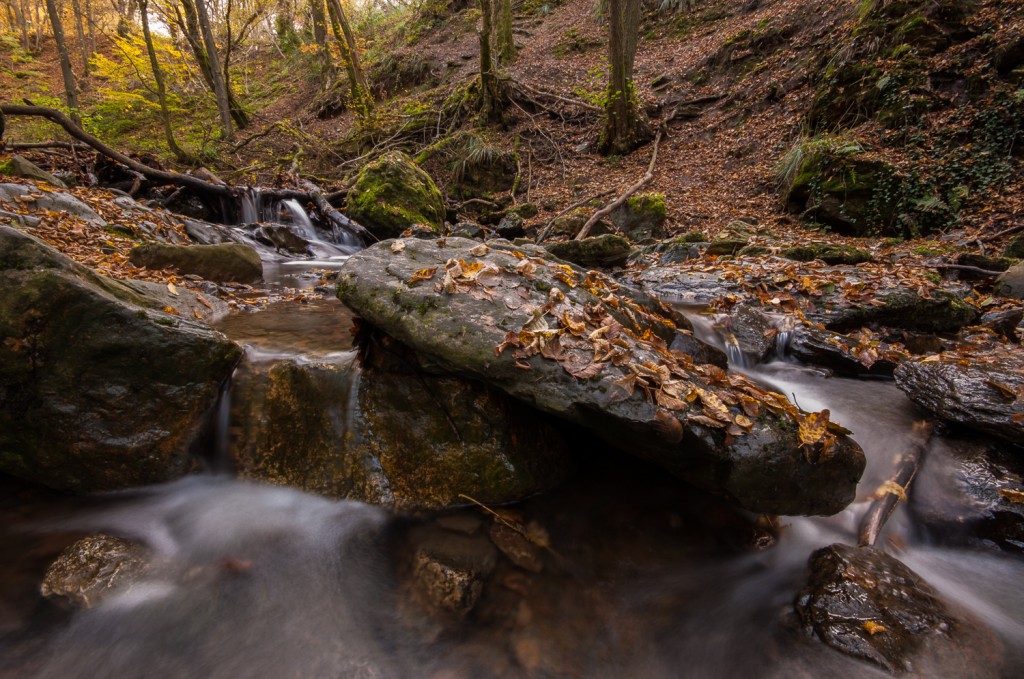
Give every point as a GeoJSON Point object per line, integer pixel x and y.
{"type": "Point", "coordinates": [99, 387]}
{"type": "Point", "coordinates": [583, 348]}
{"type": "Point", "coordinates": [92, 569]}
{"type": "Point", "coordinates": [384, 431]}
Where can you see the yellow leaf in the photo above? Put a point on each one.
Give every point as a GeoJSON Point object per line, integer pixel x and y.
{"type": "Point", "coordinates": [171, 310]}
{"type": "Point", "coordinates": [874, 628]}
{"type": "Point", "coordinates": [813, 427]}
{"type": "Point", "coordinates": [1015, 496]}
{"type": "Point", "coordinates": [171, 288]}
{"type": "Point", "coordinates": [423, 275]}
{"type": "Point", "coordinates": [397, 246]}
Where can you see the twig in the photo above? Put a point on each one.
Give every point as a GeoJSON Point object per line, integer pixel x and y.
{"type": "Point", "coordinates": [547, 227]}
{"type": "Point", "coordinates": [1004, 232]}
{"type": "Point", "coordinates": [68, 146]}
{"type": "Point", "coordinates": [566, 100]}
{"type": "Point", "coordinates": [895, 489]}
{"type": "Point", "coordinates": [607, 209]}
{"type": "Point", "coordinates": [965, 267]}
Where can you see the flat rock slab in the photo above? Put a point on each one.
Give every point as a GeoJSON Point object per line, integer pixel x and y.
{"type": "Point", "coordinates": [840, 298]}
{"type": "Point", "coordinates": [26, 199]}
{"type": "Point", "coordinates": [220, 262]}
{"type": "Point", "coordinates": [577, 345]}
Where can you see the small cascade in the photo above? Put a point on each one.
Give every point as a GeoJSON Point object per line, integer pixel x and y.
{"type": "Point", "coordinates": [300, 219]}
{"type": "Point", "coordinates": [785, 326]}
{"type": "Point", "coordinates": [716, 330]}
{"type": "Point", "coordinates": [249, 207]}
{"type": "Point", "coordinates": [220, 458]}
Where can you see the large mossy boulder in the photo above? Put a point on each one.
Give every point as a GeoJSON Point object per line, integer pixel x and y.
{"type": "Point", "coordinates": [392, 194]}
{"type": "Point", "coordinates": [833, 184]}
{"type": "Point", "coordinates": [608, 250]}
{"type": "Point", "coordinates": [579, 346]}
{"type": "Point", "coordinates": [99, 388]}
{"type": "Point", "coordinates": [384, 431]}
{"type": "Point", "coordinates": [220, 262]}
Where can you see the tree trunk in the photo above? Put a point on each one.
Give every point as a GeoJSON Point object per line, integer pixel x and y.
{"type": "Point", "coordinates": [161, 91]}
{"type": "Point", "coordinates": [23, 20]}
{"type": "Point", "coordinates": [490, 95]}
{"type": "Point", "coordinates": [65, 59]}
{"type": "Point", "coordinates": [623, 129]}
{"type": "Point", "coordinates": [503, 45]}
{"type": "Point", "coordinates": [90, 24]}
{"type": "Point", "coordinates": [83, 48]}
{"type": "Point", "coordinates": [362, 101]}
{"type": "Point", "coordinates": [219, 88]}
{"type": "Point", "coordinates": [328, 73]}
{"type": "Point", "coordinates": [189, 25]}
{"type": "Point", "coordinates": [124, 20]}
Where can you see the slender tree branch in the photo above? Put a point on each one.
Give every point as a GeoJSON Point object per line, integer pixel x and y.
{"type": "Point", "coordinates": [607, 209]}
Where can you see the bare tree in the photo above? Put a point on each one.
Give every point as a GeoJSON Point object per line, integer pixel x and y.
{"type": "Point", "coordinates": [624, 129]}
{"type": "Point", "coordinates": [161, 91]}
{"type": "Point", "coordinates": [361, 98]}
{"type": "Point", "coordinates": [83, 47]}
{"type": "Point", "coordinates": [220, 90]}
{"type": "Point", "coordinates": [490, 92]}
{"type": "Point", "coordinates": [70, 87]}
{"type": "Point", "coordinates": [319, 20]}
{"type": "Point", "coordinates": [187, 19]}
{"type": "Point", "coordinates": [503, 45]}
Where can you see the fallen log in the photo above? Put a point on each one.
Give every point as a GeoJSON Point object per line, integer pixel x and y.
{"type": "Point", "coordinates": [331, 214]}
{"type": "Point", "coordinates": [205, 189]}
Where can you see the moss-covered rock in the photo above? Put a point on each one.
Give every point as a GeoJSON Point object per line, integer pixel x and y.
{"type": "Point", "coordinates": [595, 251]}
{"type": "Point", "coordinates": [18, 166]}
{"type": "Point", "coordinates": [392, 194]}
{"type": "Point", "coordinates": [830, 181]}
{"type": "Point", "coordinates": [830, 253]}
{"type": "Point", "coordinates": [221, 262]}
{"type": "Point", "coordinates": [99, 388]}
{"type": "Point", "coordinates": [1015, 248]}
{"type": "Point", "coordinates": [642, 217]}
{"type": "Point", "coordinates": [725, 246]}
{"type": "Point", "coordinates": [570, 224]}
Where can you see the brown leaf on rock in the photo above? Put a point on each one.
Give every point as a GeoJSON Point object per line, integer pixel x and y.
{"type": "Point", "coordinates": [668, 427]}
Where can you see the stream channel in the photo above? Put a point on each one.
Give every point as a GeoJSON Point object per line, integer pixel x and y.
{"type": "Point", "coordinates": [643, 576]}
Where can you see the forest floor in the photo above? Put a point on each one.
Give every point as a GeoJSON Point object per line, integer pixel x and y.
{"type": "Point", "coordinates": [718, 163]}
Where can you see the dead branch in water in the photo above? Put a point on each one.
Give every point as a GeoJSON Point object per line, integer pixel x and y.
{"type": "Point", "coordinates": [895, 489]}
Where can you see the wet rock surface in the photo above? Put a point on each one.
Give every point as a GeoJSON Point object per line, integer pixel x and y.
{"type": "Point", "coordinates": [982, 395]}
{"type": "Point", "coordinates": [457, 302]}
{"type": "Point", "coordinates": [221, 262]}
{"type": "Point", "coordinates": [382, 430]}
{"type": "Point", "coordinates": [92, 569]}
{"type": "Point", "coordinates": [100, 388]}
{"type": "Point", "coordinates": [840, 298]}
{"type": "Point", "coordinates": [970, 491]}
{"type": "Point", "coordinates": [867, 604]}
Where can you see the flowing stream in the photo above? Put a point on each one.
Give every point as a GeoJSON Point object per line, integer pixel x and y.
{"type": "Point", "coordinates": [644, 577]}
